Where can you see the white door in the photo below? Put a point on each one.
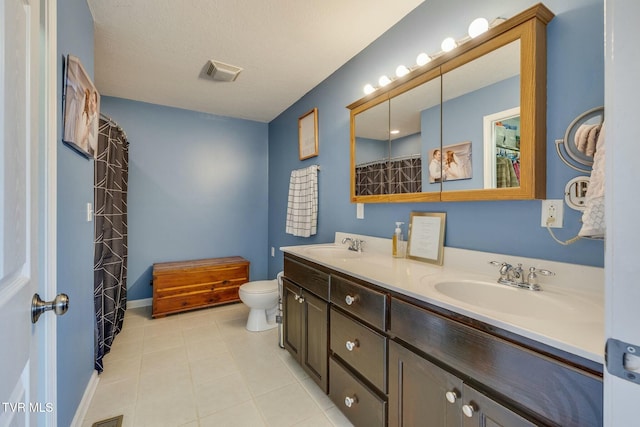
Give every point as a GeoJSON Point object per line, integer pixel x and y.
{"type": "Point", "coordinates": [622, 269]}
{"type": "Point", "coordinates": [21, 210]}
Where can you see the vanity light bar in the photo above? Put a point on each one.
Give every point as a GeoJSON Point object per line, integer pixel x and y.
{"type": "Point", "coordinates": [477, 27]}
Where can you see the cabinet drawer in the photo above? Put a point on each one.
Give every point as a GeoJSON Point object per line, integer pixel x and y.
{"type": "Point", "coordinates": [366, 408]}
{"type": "Point", "coordinates": [368, 354]}
{"type": "Point", "coordinates": [307, 277]}
{"type": "Point", "coordinates": [214, 276]}
{"type": "Point", "coordinates": [197, 287]}
{"type": "Point", "coordinates": [365, 303]}
{"type": "Point", "coordinates": [175, 304]}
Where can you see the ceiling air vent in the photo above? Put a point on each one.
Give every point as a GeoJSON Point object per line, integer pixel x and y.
{"type": "Point", "coordinates": [222, 72]}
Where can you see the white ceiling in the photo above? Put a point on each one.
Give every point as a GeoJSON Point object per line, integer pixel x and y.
{"type": "Point", "coordinates": [155, 50]}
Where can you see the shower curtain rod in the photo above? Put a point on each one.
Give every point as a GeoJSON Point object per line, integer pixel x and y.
{"type": "Point", "coordinates": [113, 123]}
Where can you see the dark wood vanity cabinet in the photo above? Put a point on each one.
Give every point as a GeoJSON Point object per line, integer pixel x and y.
{"type": "Point", "coordinates": [423, 394]}
{"type": "Point", "coordinates": [387, 359]}
{"type": "Point", "coordinates": [306, 319]}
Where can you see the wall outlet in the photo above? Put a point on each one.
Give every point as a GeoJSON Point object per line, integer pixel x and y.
{"type": "Point", "coordinates": [552, 213]}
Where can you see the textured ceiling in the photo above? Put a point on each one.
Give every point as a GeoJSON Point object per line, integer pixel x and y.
{"type": "Point", "coordinates": [155, 50]}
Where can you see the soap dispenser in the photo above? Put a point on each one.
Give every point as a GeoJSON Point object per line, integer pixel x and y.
{"type": "Point", "coordinates": [398, 244]}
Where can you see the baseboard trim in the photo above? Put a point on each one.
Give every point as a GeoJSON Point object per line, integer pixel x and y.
{"type": "Point", "coordinates": [83, 407]}
{"type": "Point", "coordinates": [136, 303]}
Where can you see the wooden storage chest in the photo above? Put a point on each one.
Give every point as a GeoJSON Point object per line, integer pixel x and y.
{"type": "Point", "coordinates": [186, 285]}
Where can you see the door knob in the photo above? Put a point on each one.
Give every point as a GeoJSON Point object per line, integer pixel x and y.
{"type": "Point", "coordinates": [59, 305]}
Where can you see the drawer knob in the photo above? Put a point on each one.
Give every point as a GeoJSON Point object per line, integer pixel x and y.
{"type": "Point", "coordinates": [452, 396]}
{"type": "Point", "coordinates": [350, 299]}
{"type": "Point", "coordinates": [350, 401]}
{"type": "Point", "coordinates": [352, 344]}
{"type": "Point", "coordinates": [469, 409]}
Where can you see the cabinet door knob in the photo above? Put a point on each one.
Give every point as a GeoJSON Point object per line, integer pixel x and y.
{"type": "Point", "coordinates": [350, 401]}
{"type": "Point", "coordinates": [301, 299]}
{"type": "Point", "coordinates": [469, 409]}
{"type": "Point", "coordinates": [349, 299]}
{"type": "Point", "coordinates": [352, 344]}
{"type": "Point", "coordinates": [452, 396]}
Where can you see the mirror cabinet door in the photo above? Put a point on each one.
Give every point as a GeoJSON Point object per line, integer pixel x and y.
{"type": "Point", "coordinates": [471, 125]}
{"type": "Point", "coordinates": [372, 151]}
{"type": "Point", "coordinates": [415, 140]}
{"type": "Point", "coordinates": [481, 122]}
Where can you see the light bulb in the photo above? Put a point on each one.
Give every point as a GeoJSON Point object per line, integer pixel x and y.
{"type": "Point", "coordinates": [384, 80]}
{"type": "Point", "coordinates": [448, 44]}
{"type": "Point", "coordinates": [477, 27]}
{"type": "Point", "coordinates": [422, 59]}
{"type": "Point", "coordinates": [401, 71]}
{"type": "Point", "coordinates": [368, 89]}
{"type": "Point", "coordinates": [394, 132]}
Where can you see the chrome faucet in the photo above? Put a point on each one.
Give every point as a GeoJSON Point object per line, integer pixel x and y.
{"type": "Point", "coordinates": [354, 244]}
{"type": "Point", "coordinates": [514, 276]}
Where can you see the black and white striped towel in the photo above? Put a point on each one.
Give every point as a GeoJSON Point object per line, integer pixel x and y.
{"type": "Point", "coordinates": [302, 207]}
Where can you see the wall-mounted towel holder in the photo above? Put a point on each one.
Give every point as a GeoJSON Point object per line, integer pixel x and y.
{"type": "Point", "coordinates": [571, 156]}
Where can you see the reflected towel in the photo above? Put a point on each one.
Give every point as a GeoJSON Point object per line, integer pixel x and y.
{"type": "Point", "coordinates": [302, 207]}
{"type": "Point", "coordinates": [593, 217]}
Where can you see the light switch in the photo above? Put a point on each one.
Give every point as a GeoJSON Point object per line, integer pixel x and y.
{"type": "Point", "coordinates": [89, 212]}
{"type": "Point", "coordinates": [360, 210]}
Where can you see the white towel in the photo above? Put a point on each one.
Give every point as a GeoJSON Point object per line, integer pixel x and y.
{"type": "Point", "coordinates": [302, 208]}
{"type": "Point", "coordinates": [593, 217]}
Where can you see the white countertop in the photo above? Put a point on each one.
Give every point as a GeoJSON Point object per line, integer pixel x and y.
{"type": "Point", "coordinates": [567, 314]}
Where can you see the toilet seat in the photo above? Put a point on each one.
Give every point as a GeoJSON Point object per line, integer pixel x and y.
{"type": "Point", "coordinates": [260, 287]}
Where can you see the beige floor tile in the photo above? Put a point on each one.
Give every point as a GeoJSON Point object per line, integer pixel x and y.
{"type": "Point", "coordinates": [204, 371]}
{"type": "Point", "coordinates": [201, 333]}
{"type": "Point", "coordinates": [316, 393]}
{"type": "Point", "coordinates": [155, 386]}
{"type": "Point", "coordinates": [115, 395]}
{"type": "Point", "coordinates": [197, 350]}
{"type": "Point", "coordinates": [337, 418]}
{"type": "Point", "coordinates": [224, 393]}
{"type": "Point", "coordinates": [203, 368]}
{"type": "Point", "coordinates": [163, 342]}
{"type": "Point", "coordinates": [164, 360]}
{"type": "Point", "coordinates": [243, 415]}
{"type": "Point", "coordinates": [167, 411]}
{"type": "Point", "coordinates": [319, 420]}
{"type": "Point", "coordinates": [125, 350]}
{"type": "Point", "coordinates": [119, 369]}
{"type": "Point", "coordinates": [287, 406]}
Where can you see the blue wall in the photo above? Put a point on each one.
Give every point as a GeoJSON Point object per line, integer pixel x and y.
{"type": "Point", "coordinates": [75, 234]}
{"type": "Point", "coordinates": [575, 81]}
{"type": "Point", "coordinates": [197, 188]}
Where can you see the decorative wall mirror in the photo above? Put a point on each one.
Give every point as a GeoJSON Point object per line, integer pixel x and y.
{"type": "Point", "coordinates": [478, 111]}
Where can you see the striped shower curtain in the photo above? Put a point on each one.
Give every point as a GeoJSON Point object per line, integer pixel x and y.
{"type": "Point", "coordinates": [110, 248]}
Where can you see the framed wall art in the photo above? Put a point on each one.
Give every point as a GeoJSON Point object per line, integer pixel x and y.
{"type": "Point", "coordinates": [308, 134]}
{"type": "Point", "coordinates": [81, 109]}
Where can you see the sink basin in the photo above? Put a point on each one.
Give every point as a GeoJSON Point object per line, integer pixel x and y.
{"type": "Point", "coordinates": [333, 251]}
{"type": "Point", "coordinates": [500, 298]}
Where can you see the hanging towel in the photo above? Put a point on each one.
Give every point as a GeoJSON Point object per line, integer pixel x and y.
{"type": "Point", "coordinates": [593, 217]}
{"type": "Point", "coordinates": [302, 207]}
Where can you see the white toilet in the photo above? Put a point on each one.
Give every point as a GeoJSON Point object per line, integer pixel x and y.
{"type": "Point", "coordinates": [262, 298]}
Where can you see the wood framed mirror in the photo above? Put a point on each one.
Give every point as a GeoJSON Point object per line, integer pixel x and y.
{"type": "Point", "coordinates": [440, 113]}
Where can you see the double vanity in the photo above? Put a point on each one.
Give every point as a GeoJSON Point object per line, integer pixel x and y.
{"type": "Point", "coordinates": [400, 342]}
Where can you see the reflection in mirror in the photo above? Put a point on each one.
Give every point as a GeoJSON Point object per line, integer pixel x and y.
{"type": "Point", "coordinates": [488, 86]}
{"type": "Point", "coordinates": [415, 132]}
{"type": "Point", "coordinates": [372, 151]}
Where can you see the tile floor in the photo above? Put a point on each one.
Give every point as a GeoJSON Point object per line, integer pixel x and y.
{"type": "Point", "coordinates": [203, 368]}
